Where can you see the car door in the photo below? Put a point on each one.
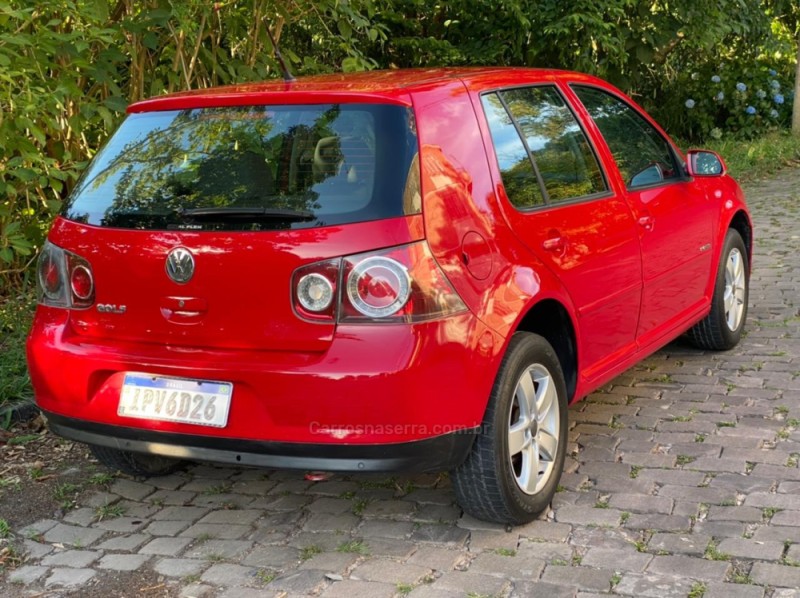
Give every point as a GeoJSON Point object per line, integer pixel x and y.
{"type": "Point", "coordinates": [561, 207]}
{"type": "Point", "coordinates": [674, 219]}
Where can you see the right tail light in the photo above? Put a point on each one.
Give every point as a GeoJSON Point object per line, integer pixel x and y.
{"type": "Point", "coordinates": [398, 284]}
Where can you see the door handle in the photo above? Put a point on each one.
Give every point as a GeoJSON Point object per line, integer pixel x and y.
{"type": "Point", "coordinates": [646, 222]}
{"type": "Point", "coordinates": [555, 244]}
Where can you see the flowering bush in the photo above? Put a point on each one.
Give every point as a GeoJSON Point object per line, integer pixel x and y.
{"type": "Point", "coordinates": [726, 99]}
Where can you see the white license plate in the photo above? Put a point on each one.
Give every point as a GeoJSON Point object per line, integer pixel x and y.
{"type": "Point", "coordinates": [200, 402]}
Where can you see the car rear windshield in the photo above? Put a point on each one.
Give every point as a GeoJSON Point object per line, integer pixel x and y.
{"type": "Point", "coordinates": [253, 168]}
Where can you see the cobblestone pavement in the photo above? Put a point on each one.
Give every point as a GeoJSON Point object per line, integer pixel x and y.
{"type": "Point", "coordinates": [683, 481]}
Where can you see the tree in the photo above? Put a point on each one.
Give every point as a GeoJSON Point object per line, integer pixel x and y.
{"type": "Point", "coordinates": [787, 14]}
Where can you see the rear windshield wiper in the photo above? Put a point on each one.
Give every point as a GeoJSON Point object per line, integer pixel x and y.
{"type": "Point", "coordinates": [234, 213]}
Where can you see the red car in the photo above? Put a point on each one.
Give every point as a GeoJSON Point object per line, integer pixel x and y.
{"type": "Point", "coordinates": [390, 271]}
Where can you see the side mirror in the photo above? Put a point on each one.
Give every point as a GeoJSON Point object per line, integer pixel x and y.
{"type": "Point", "coordinates": [704, 163]}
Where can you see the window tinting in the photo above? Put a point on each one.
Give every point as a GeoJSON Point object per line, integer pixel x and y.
{"type": "Point", "coordinates": [516, 170]}
{"type": "Point", "coordinates": [642, 155]}
{"type": "Point", "coordinates": [562, 154]}
{"type": "Point", "coordinates": [250, 168]}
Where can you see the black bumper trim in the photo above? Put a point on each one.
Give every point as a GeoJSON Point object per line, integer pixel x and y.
{"type": "Point", "coordinates": [435, 454]}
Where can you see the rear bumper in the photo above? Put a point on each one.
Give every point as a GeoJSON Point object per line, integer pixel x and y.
{"type": "Point", "coordinates": [374, 386]}
{"type": "Point", "coordinates": [430, 455]}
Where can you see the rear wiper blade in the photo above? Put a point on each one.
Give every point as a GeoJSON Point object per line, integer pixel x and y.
{"type": "Point", "coordinates": [248, 213]}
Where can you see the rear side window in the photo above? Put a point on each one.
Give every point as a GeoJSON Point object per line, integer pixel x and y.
{"type": "Point", "coordinates": [251, 168]}
{"type": "Point", "coordinates": [642, 155]}
{"type": "Point", "coordinates": [535, 125]}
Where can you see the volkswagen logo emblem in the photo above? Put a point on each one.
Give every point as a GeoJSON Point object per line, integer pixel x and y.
{"type": "Point", "coordinates": [180, 265]}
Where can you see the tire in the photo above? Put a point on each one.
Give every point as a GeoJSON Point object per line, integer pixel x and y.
{"type": "Point", "coordinates": [495, 485]}
{"type": "Point", "coordinates": [722, 328]}
{"type": "Point", "coordinates": [135, 464]}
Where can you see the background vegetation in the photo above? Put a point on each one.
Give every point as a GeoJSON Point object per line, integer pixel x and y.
{"type": "Point", "coordinates": [712, 71]}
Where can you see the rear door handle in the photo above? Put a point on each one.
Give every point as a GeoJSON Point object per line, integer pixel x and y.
{"type": "Point", "coordinates": [646, 222]}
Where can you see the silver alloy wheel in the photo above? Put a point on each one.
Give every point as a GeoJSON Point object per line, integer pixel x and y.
{"type": "Point", "coordinates": [735, 283]}
{"type": "Point", "coordinates": [533, 429]}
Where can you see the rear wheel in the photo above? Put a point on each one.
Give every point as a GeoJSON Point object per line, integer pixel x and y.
{"type": "Point", "coordinates": [515, 464]}
{"type": "Point", "coordinates": [135, 464]}
{"type": "Point", "coordinates": [722, 328]}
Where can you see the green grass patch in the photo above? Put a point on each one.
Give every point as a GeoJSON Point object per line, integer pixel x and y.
{"type": "Point", "coordinates": [755, 159]}
{"type": "Point", "coordinates": [16, 314]}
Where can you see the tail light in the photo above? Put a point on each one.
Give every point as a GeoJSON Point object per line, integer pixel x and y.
{"type": "Point", "coordinates": [399, 284]}
{"type": "Point", "coordinates": [65, 279]}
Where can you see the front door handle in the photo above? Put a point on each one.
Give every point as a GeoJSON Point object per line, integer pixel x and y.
{"type": "Point", "coordinates": [555, 244]}
{"type": "Point", "coordinates": [646, 222]}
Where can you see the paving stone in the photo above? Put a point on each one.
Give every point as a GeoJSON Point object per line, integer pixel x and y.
{"type": "Point", "coordinates": [384, 528]}
{"type": "Point", "coordinates": [598, 580]}
{"type": "Point", "coordinates": [132, 490]}
{"type": "Point", "coordinates": [653, 586]}
{"type": "Point", "coordinates": [481, 540]}
{"type": "Point", "coordinates": [779, 501]}
{"type": "Point", "coordinates": [508, 567]}
{"type": "Point", "coordinates": [469, 581]}
{"type": "Point", "coordinates": [69, 578]}
{"type": "Point", "coordinates": [776, 575]}
{"type": "Point", "coordinates": [78, 537]}
{"type": "Point", "coordinates": [332, 506]}
{"type": "Point", "coordinates": [733, 590]}
{"type": "Point", "coordinates": [166, 546]}
{"type": "Point", "coordinates": [198, 590]}
{"type": "Point", "coordinates": [225, 549]}
{"type": "Point", "coordinates": [83, 516]}
{"type": "Point", "coordinates": [743, 514]}
{"type": "Point", "coordinates": [180, 514]}
{"type": "Point", "coordinates": [583, 516]}
{"type": "Point", "coordinates": [37, 529]}
{"type": "Point", "coordinates": [786, 518]}
{"type": "Point", "coordinates": [641, 503]}
{"type": "Point", "coordinates": [328, 541]}
{"type": "Point", "coordinates": [545, 551]}
{"type": "Point", "coordinates": [436, 514]}
{"type": "Point", "coordinates": [680, 543]}
{"type": "Point", "coordinates": [72, 558]}
{"type": "Point", "coordinates": [330, 562]}
{"type": "Point", "coordinates": [179, 567]}
{"type": "Point", "coordinates": [253, 487]}
{"type": "Point", "coordinates": [669, 523]}
{"type": "Point", "coordinates": [304, 582]}
{"type": "Point", "coordinates": [390, 571]}
{"type": "Point", "coordinates": [545, 531]}
{"type": "Point", "coordinates": [27, 574]}
{"type": "Point", "coordinates": [427, 591]}
{"type": "Point", "coordinates": [326, 522]}
{"type": "Point", "coordinates": [441, 534]}
{"type": "Point", "coordinates": [438, 559]}
{"type": "Point", "coordinates": [166, 528]}
{"type": "Point", "coordinates": [348, 588]}
{"type": "Point", "coordinates": [100, 499]}
{"type": "Point", "coordinates": [287, 503]}
{"type": "Point", "coordinates": [216, 530]}
{"type": "Point", "coordinates": [389, 508]}
{"type": "Point", "coordinates": [539, 589]}
{"type": "Point", "coordinates": [232, 517]}
{"type": "Point", "coordinates": [618, 559]}
{"type": "Point", "coordinates": [225, 574]}
{"type": "Point", "coordinates": [686, 566]}
{"type": "Point", "coordinates": [272, 557]}
{"type": "Point", "coordinates": [778, 533]}
{"type": "Point", "coordinates": [171, 497]}
{"type": "Point", "coordinates": [123, 562]}
{"type": "Point", "coordinates": [751, 549]}
{"type": "Point", "coordinates": [124, 542]}
{"type": "Point", "coordinates": [169, 482]}
{"type": "Point", "coordinates": [125, 525]}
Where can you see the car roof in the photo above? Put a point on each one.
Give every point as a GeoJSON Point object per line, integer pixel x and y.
{"type": "Point", "coordinates": [391, 86]}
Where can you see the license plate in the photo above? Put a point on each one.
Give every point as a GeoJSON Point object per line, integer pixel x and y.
{"type": "Point", "coordinates": [200, 402]}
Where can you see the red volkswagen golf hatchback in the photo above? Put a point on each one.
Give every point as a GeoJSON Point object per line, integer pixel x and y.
{"type": "Point", "coordinates": [389, 271]}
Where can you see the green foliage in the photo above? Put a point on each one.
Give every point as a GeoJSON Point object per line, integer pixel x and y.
{"type": "Point", "coordinates": [15, 319]}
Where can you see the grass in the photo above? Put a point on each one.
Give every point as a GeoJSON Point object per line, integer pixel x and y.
{"type": "Point", "coordinates": [757, 158]}
{"type": "Point", "coordinates": [109, 512]}
{"type": "Point", "coordinates": [353, 547]}
{"type": "Point", "coordinates": [16, 313]}
{"type": "Point", "coordinates": [712, 553]}
{"type": "Point", "coordinates": [308, 552]}
{"type": "Point", "coordinates": [698, 590]}
{"type": "Point", "coordinates": [5, 529]}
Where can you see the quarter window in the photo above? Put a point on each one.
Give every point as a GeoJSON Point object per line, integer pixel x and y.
{"type": "Point", "coordinates": [547, 141]}
{"type": "Point", "coordinates": [642, 155]}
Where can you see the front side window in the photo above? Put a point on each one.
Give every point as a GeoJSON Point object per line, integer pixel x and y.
{"type": "Point", "coordinates": [549, 136]}
{"type": "Point", "coordinates": [642, 155]}
{"type": "Point", "coordinates": [250, 168]}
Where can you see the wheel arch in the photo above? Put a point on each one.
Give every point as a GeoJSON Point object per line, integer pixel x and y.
{"type": "Point", "coordinates": [741, 223]}
{"type": "Point", "coordinates": [550, 319]}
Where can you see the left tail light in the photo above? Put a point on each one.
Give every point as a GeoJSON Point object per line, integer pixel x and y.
{"type": "Point", "coordinates": [64, 279]}
{"type": "Point", "coordinates": [398, 284]}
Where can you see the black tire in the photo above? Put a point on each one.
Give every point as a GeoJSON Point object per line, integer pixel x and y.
{"type": "Point", "coordinates": [720, 330]}
{"type": "Point", "coordinates": [488, 484]}
{"type": "Point", "coordinates": [135, 464]}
